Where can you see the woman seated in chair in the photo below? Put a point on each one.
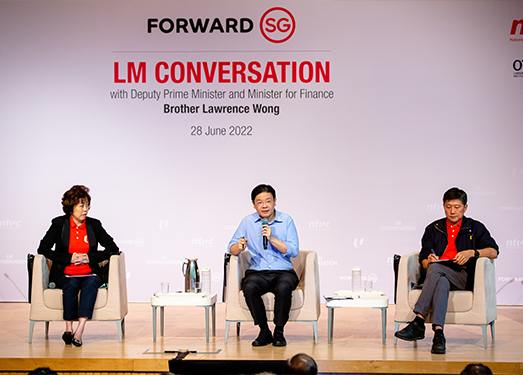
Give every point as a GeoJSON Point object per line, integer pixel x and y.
{"type": "Point", "coordinates": [75, 259]}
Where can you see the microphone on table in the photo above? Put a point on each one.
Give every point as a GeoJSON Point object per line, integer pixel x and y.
{"type": "Point", "coordinates": [265, 222]}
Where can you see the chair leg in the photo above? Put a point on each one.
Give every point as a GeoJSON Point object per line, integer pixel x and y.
{"type": "Point", "coordinates": [237, 328]}
{"type": "Point", "coordinates": [492, 332]}
{"type": "Point", "coordinates": [120, 324]}
{"type": "Point", "coordinates": [227, 324]}
{"type": "Point", "coordinates": [31, 329]}
{"type": "Point", "coordinates": [123, 326]}
{"type": "Point", "coordinates": [315, 329]}
{"type": "Point", "coordinates": [484, 329]}
{"type": "Point", "coordinates": [396, 329]}
{"type": "Point", "coordinates": [46, 329]}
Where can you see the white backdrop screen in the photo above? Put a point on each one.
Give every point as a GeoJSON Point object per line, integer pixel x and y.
{"type": "Point", "coordinates": [360, 114]}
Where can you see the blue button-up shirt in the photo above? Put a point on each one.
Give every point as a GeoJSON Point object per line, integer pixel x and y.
{"type": "Point", "coordinates": [282, 228]}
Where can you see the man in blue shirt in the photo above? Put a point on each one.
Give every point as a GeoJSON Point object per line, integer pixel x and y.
{"type": "Point", "coordinates": [272, 240]}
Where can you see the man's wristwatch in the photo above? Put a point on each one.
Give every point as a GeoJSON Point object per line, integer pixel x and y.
{"type": "Point", "coordinates": [476, 254]}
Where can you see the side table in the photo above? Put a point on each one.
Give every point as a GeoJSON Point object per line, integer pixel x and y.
{"type": "Point", "coordinates": [376, 300]}
{"type": "Point", "coordinates": [184, 299]}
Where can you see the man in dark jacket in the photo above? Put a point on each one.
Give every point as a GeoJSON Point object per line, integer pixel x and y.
{"type": "Point", "coordinates": [449, 250]}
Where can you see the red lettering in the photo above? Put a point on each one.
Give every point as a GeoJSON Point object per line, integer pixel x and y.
{"type": "Point", "coordinates": [255, 72]}
{"type": "Point", "coordinates": [302, 72]}
{"type": "Point", "coordinates": [173, 72]}
{"type": "Point", "coordinates": [209, 76]}
{"type": "Point", "coordinates": [283, 65]}
{"type": "Point", "coordinates": [238, 69]}
{"type": "Point", "coordinates": [286, 27]}
{"type": "Point", "coordinates": [270, 22]}
{"type": "Point", "coordinates": [223, 71]}
{"type": "Point", "coordinates": [117, 78]}
{"type": "Point", "coordinates": [514, 29]}
{"type": "Point", "coordinates": [324, 73]}
{"type": "Point", "coordinates": [270, 72]}
{"type": "Point", "coordinates": [136, 74]}
{"type": "Point", "coordinates": [196, 72]}
{"type": "Point", "coordinates": [230, 72]}
{"type": "Point", "coordinates": [165, 78]}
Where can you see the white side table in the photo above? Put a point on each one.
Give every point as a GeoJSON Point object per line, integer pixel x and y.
{"type": "Point", "coordinates": [184, 299]}
{"type": "Point", "coordinates": [377, 300]}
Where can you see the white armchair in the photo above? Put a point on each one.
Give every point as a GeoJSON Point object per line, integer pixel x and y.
{"type": "Point", "coordinates": [110, 305]}
{"type": "Point", "coordinates": [465, 307]}
{"type": "Point", "coordinates": [305, 305]}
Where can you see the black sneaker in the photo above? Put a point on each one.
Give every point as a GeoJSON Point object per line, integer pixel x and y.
{"type": "Point", "coordinates": [279, 340]}
{"type": "Point", "coordinates": [438, 342]}
{"type": "Point", "coordinates": [413, 331]}
{"type": "Point", "coordinates": [264, 338]}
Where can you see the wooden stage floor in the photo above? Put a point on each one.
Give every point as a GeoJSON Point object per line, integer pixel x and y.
{"type": "Point", "coordinates": [356, 346]}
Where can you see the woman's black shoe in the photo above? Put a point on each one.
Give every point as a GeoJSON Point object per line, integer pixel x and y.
{"type": "Point", "coordinates": [77, 342]}
{"type": "Point", "coordinates": [67, 337]}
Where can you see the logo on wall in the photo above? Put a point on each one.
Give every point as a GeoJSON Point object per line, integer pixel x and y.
{"type": "Point", "coordinates": [10, 223]}
{"type": "Point", "coordinates": [203, 242]}
{"type": "Point", "coordinates": [277, 25]}
{"type": "Point", "coordinates": [326, 225]}
{"type": "Point", "coordinates": [434, 207]}
{"type": "Point", "coordinates": [138, 242]}
{"type": "Point", "coordinates": [199, 25]}
{"type": "Point", "coordinates": [518, 68]}
{"type": "Point", "coordinates": [479, 191]}
{"type": "Point", "coordinates": [517, 30]}
{"type": "Point", "coordinates": [510, 208]}
{"type": "Point", "coordinates": [515, 243]}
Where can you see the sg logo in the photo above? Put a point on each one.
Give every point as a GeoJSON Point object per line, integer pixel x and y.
{"type": "Point", "coordinates": [277, 25]}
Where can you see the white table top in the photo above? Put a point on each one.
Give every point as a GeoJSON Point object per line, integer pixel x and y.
{"type": "Point", "coordinates": [183, 299]}
{"type": "Point", "coordinates": [359, 299]}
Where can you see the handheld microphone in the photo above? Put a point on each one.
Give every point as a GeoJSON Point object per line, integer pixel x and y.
{"type": "Point", "coordinates": [265, 222]}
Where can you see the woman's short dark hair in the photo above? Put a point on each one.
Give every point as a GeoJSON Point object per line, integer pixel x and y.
{"type": "Point", "coordinates": [476, 369]}
{"type": "Point", "coordinates": [300, 364]}
{"type": "Point", "coordinates": [262, 189]}
{"type": "Point", "coordinates": [43, 371]}
{"type": "Point", "coordinates": [73, 196]}
{"type": "Point", "coordinates": [455, 193]}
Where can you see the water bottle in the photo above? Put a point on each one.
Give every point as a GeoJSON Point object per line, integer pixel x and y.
{"type": "Point", "coordinates": [356, 279]}
{"type": "Point", "coordinates": [206, 281]}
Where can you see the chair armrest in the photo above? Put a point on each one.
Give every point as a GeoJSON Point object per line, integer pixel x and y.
{"type": "Point", "coordinates": [117, 284]}
{"type": "Point", "coordinates": [408, 273]}
{"type": "Point", "coordinates": [485, 288]}
{"type": "Point", "coordinates": [233, 275]}
{"type": "Point", "coordinates": [244, 263]}
{"type": "Point", "coordinates": [40, 276]}
{"type": "Point", "coordinates": [311, 284]}
{"type": "Point", "coordinates": [414, 269]}
{"type": "Point", "coordinates": [40, 282]}
{"type": "Point", "coordinates": [233, 310]}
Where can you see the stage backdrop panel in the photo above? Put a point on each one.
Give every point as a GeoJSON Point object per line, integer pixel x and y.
{"type": "Point", "coordinates": [360, 113]}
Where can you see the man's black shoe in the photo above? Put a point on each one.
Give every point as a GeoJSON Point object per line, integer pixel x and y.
{"type": "Point", "coordinates": [413, 331]}
{"type": "Point", "coordinates": [279, 340]}
{"type": "Point", "coordinates": [264, 338]}
{"type": "Point", "coordinates": [438, 342]}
